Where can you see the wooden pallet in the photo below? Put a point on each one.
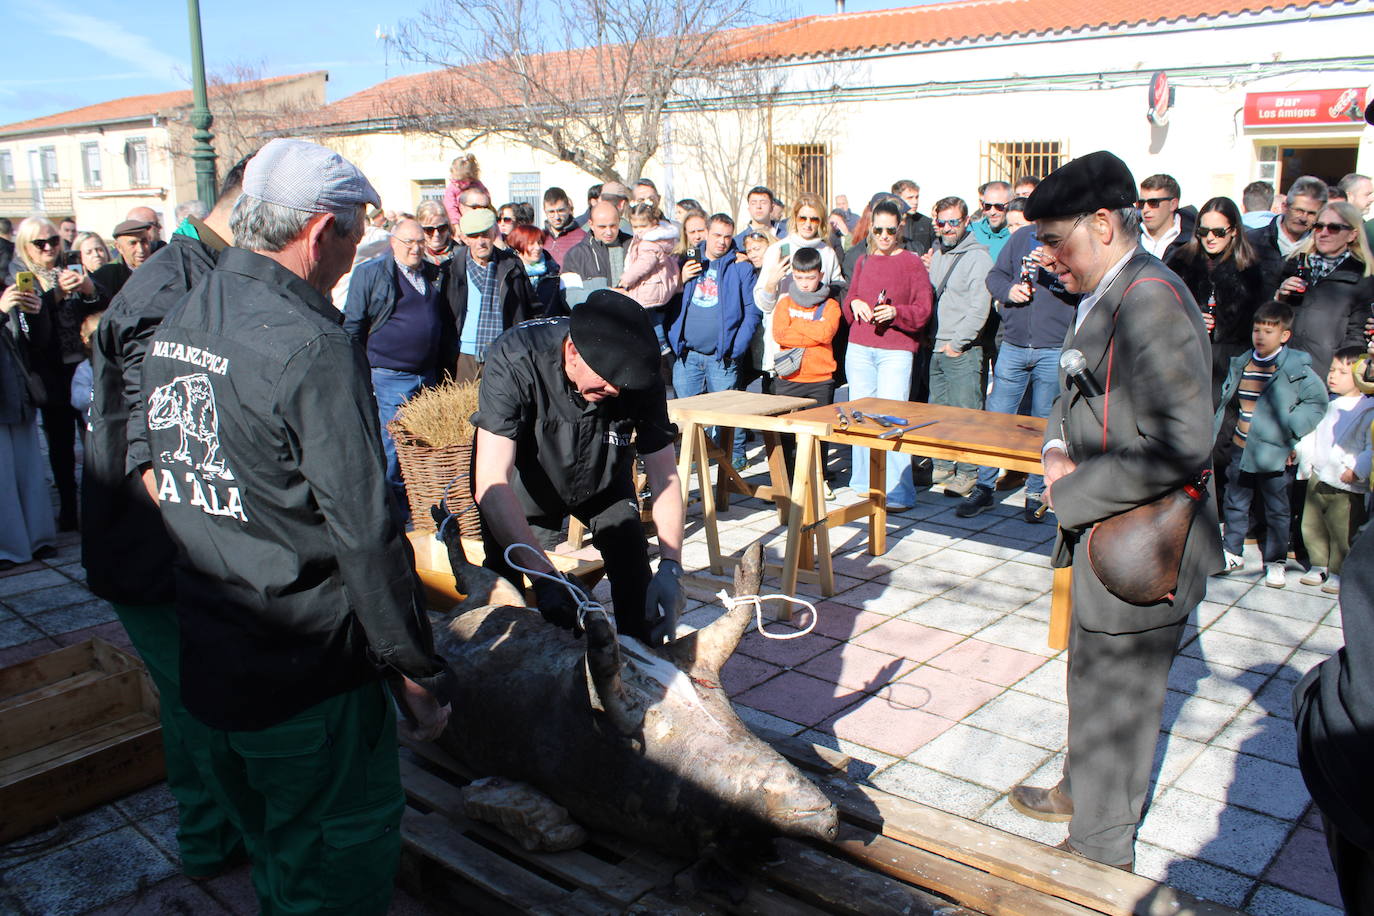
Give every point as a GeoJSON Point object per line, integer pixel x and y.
{"type": "Point", "coordinates": [78, 727]}
{"type": "Point", "coordinates": [893, 856]}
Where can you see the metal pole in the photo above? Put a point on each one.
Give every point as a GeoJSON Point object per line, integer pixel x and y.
{"type": "Point", "coordinates": [201, 119]}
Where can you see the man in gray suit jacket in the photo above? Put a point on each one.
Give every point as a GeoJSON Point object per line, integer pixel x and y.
{"type": "Point", "coordinates": [1147, 434]}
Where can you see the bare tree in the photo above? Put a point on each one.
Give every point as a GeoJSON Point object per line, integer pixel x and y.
{"type": "Point", "coordinates": [248, 108]}
{"type": "Point", "coordinates": [585, 81]}
{"type": "Point", "coordinates": [728, 121]}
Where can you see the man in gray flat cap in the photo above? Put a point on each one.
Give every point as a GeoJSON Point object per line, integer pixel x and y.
{"type": "Point", "coordinates": [295, 591]}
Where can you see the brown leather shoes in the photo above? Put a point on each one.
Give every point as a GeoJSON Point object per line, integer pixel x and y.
{"type": "Point", "coordinates": [1066, 846]}
{"type": "Point", "coordinates": [1042, 804]}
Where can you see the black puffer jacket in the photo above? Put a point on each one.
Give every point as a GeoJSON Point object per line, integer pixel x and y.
{"type": "Point", "coordinates": [1332, 313]}
{"type": "Point", "coordinates": [1238, 292]}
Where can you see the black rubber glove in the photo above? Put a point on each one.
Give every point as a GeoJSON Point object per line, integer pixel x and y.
{"type": "Point", "coordinates": [557, 604]}
{"type": "Point", "coordinates": [663, 602]}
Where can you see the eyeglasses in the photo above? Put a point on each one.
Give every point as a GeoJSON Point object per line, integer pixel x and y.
{"type": "Point", "coordinates": [51, 241]}
{"type": "Point", "coordinates": [409, 243]}
{"type": "Point", "coordinates": [505, 219]}
{"type": "Point", "coordinates": [1000, 208]}
{"type": "Point", "coordinates": [1330, 227]}
{"type": "Point", "coordinates": [1217, 232]}
{"type": "Point", "coordinates": [946, 223]}
{"type": "Point", "coordinates": [1055, 247]}
{"type": "Point", "coordinates": [884, 230]}
{"type": "Point", "coordinates": [430, 230]}
{"type": "Point", "coordinates": [1153, 203]}
{"type": "Point", "coordinates": [809, 219]}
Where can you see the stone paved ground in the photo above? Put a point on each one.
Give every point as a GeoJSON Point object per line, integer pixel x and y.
{"type": "Point", "coordinates": [928, 667]}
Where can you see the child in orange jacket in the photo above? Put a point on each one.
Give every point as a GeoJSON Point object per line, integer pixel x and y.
{"type": "Point", "coordinates": [804, 324]}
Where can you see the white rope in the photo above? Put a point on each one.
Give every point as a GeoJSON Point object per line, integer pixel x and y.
{"type": "Point", "coordinates": [757, 602]}
{"type": "Point", "coordinates": [586, 604]}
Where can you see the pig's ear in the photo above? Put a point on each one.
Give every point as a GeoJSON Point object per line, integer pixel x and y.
{"type": "Point", "coordinates": [703, 653]}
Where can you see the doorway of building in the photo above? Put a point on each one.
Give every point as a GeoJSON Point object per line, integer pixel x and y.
{"type": "Point", "coordinates": [1329, 163]}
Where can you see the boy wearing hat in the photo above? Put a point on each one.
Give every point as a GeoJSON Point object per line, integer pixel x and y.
{"type": "Point", "coordinates": [565, 406]}
{"type": "Point", "coordinates": [1141, 433]}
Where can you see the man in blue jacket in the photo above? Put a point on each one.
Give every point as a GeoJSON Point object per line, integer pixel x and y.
{"type": "Point", "coordinates": [717, 321]}
{"type": "Point", "coordinates": [397, 312]}
{"type": "Point", "coordinates": [1036, 312]}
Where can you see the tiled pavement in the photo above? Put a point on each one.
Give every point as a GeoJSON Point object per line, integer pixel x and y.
{"type": "Point", "coordinates": [928, 668]}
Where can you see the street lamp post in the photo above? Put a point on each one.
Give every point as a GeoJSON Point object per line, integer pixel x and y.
{"type": "Point", "coordinates": [201, 119]}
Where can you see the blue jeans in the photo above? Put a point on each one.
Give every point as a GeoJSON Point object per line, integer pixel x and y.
{"type": "Point", "coordinates": [392, 387]}
{"type": "Point", "coordinates": [875, 373]}
{"type": "Point", "coordinates": [1018, 368]}
{"type": "Point", "coordinates": [957, 381]}
{"type": "Point", "coordinates": [696, 373]}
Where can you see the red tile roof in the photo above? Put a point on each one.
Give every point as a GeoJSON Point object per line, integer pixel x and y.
{"type": "Point", "coordinates": [849, 33]}
{"type": "Point", "coordinates": [972, 19]}
{"type": "Point", "coordinates": [135, 106]}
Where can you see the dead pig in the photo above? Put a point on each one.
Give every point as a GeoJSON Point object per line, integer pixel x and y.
{"type": "Point", "coordinates": [638, 742]}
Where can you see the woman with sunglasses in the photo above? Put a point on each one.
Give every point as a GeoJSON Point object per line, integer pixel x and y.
{"type": "Point", "coordinates": [65, 298]}
{"type": "Point", "coordinates": [1222, 271]}
{"type": "Point", "coordinates": [887, 306]}
{"type": "Point", "coordinates": [1329, 281]}
{"type": "Point", "coordinates": [434, 223]}
{"type": "Point", "coordinates": [804, 231]}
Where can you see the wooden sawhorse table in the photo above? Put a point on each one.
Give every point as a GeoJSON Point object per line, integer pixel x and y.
{"type": "Point", "coordinates": [956, 433]}
{"type": "Point", "coordinates": [797, 495]}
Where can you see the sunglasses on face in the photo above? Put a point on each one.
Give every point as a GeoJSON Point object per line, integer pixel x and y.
{"type": "Point", "coordinates": [1218, 232]}
{"type": "Point", "coordinates": [51, 241]}
{"type": "Point", "coordinates": [884, 230]}
{"type": "Point", "coordinates": [1330, 227]}
{"type": "Point", "coordinates": [808, 219]}
{"type": "Point", "coordinates": [430, 230]}
{"type": "Point", "coordinates": [1000, 208]}
{"type": "Point", "coordinates": [1152, 202]}
{"type": "Point", "coordinates": [947, 223]}
{"type": "Point", "coordinates": [505, 219]}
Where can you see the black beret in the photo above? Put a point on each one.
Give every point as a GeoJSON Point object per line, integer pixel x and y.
{"type": "Point", "coordinates": [1083, 185]}
{"type": "Point", "coordinates": [613, 334]}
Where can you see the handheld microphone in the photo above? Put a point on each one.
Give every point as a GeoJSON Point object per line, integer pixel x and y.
{"type": "Point", "coordinates": [1076, 368]}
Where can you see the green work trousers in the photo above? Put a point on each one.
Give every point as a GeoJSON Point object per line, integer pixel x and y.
{"type": "Point", "coordinates": [207, 838]}
{"type": "Point", "coordinates": [1330, 519]}
{"type": "Point", "coordinates": [318, 798]}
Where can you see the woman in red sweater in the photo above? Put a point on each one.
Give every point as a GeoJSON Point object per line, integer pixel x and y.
{"type": "Point", "coordinates": [888, 303]}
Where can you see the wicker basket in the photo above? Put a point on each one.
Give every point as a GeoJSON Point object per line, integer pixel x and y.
{"type": "Point", "coordinates": [432, 474]}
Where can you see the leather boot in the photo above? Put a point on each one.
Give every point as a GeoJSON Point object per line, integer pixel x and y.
{"type": "Point", "coordinates": [1042, 804]}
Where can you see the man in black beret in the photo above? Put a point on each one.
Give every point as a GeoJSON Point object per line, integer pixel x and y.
{"type": "Point", "coordinates": [1145, 433]}
{"type": "Point", "coordinates": [565, 405]}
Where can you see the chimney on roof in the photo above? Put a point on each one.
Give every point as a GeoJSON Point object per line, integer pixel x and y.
{"type": "Point", "coordinates": [839, 7]}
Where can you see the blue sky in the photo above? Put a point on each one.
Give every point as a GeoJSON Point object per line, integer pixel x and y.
{"type": "Point", "coordinates": [59, 58]}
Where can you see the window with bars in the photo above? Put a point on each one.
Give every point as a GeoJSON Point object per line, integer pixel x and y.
{"type": "Point", "coordinates": [47, 157]}
{"type": "Point", "coordinates": [430, 190]}
{"type": "Point", "coordinates": [796, 168]}
{"type": "Point", "coordinates": [90, 164]}
{"type": "Point", "coordinates": [524, 188]}
{"type": "Point", "coordinates": [6, 170]}
{"type": "Point", "coordinates": [1010, 160]}
{"type": "Point", "coordinates": [136, 156]}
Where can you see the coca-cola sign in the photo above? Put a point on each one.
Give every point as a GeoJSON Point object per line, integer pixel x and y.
{"type": "Point", "coordinates": [1309, 106]}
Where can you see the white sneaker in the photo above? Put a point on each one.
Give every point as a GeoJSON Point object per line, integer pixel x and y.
{"type": "Point", "coordinates": [1274, 576]}
{"type": "Point", "coordinates": [1234, 563]}
{"type": "Point", "coordinates": [1315, 576]}
{"type": "Point", "coordinates": [1332, 585]}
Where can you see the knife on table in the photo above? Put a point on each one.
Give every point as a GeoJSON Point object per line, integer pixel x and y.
{"type": "Point", "coordinates": [844, 420]}
{"type": "Point", "coordinates": [898, 433]}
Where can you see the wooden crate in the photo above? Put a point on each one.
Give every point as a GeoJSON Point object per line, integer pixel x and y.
{"type": "Point", "coordinates": [893, 856]}
{"type": "Point", "coordinates": [78, 727]}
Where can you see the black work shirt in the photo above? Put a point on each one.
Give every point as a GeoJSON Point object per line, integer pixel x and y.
{"type": "Point", "coordinates": [124, 546]}
{"type": "Point", "coordinates": [293, 582]}
{"type": "Point", "coordinates": [567, 451]}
